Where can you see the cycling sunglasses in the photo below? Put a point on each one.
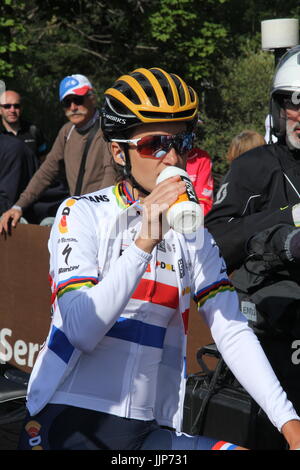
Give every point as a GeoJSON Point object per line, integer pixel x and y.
{"type": "Point", "coordinates": [8, 106]}
{"type": "Point", "coordinates": [290, 104]}
{"type": "Point", "coordinates": [76, 99]}
{"type": "Point", "coordinates": [157, 146]}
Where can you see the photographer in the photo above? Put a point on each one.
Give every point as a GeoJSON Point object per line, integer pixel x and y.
{"type": "Point", "coordinates": [255, 213]}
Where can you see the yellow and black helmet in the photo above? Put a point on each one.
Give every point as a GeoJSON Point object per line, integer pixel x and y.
{"type": "Point", "coordinates": [147, 96]}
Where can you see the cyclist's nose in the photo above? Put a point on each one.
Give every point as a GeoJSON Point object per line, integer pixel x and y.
{"type": "Point", "coordinates": [171, 157]}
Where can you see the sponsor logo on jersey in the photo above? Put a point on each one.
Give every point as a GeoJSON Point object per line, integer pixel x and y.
{"type": "Point", "coordinates": [186, 291]}
{"type": "Point", "coordinates": [164, 265]}
{"type": "Point", "coordinates": [63, 223]}
{"type": "Point", "coordinates": [162, 246]}
{"type": "Point", "coordinates": [95, 198]}
{"type": "Point", "coordinates": [181, 268]}
{"type": "Point", "coordinates": [66, 253]}
{"type": "Point", "coordinates": [66, 270]}
{"type": "Point", "coordinates": [67, 240]}
{"type": "Point", "coordinates": [133, 233]}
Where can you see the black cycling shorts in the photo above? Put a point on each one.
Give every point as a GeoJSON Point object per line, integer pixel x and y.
{"type": "Point", "coordinates": [64, 427]}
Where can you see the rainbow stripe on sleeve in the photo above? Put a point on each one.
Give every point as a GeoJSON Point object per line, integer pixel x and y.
{"type": "Point", "coordinates": [212, 290]}
{"type": "Point", "coordinates": [74, 283]}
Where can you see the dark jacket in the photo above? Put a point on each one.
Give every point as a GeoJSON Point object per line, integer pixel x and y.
{"type": "Point", "coordinates": [17, 165]}
{"type": "Point", "coordinates": [51, 198]}
{"type": "Point", "coordinates": [257, 194]}
{"type": "Point", "coordinates": [31, 135]}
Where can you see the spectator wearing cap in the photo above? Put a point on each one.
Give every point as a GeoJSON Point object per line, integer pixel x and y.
{"type": "Point", "coordinates": [79, 149]}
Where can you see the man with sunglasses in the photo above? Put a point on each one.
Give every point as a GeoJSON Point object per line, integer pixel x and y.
{"type": "Point", "coordinates": [17, 161]}
{"type": "Point", "coordinates": [12, 123]}
{"type": "Point", "coordinates": [79, 151]}
{"type": "Point", "coordinates": [111, 372]}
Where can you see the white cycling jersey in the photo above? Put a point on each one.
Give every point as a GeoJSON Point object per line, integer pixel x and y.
{"type": "Point", "coordinates": [118, 333]}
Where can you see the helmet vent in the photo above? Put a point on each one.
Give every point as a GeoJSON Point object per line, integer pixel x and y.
{"type": "Point", "coordinates": [128, 92]}
{"type": "Point", "coordinates": [164, 83]}
{"type": "Point", "coordinates": [180, 90]}
{"type": "Point", "coordinates": [118, 108]}
{"type": "Point", "coordinates": [147, 87]}
{"type": "Point", "coordinates": [192, 94]}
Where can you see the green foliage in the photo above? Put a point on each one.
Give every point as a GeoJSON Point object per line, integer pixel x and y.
{"type": "Point", "coordinates": [213, 44]}
{"type": "Point", "coordinates": [11, 28]}
{"type": "Point", "coordinates": [239, 101]}
{"type": "Point", "coordinates": [185, 27]}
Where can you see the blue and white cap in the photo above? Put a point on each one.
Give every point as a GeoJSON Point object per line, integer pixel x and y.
{"type": "Point", "coordinates": [74, 85]}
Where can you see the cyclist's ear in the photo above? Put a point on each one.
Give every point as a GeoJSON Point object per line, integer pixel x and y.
{"type": "Point", "coordinates": [117, 153]}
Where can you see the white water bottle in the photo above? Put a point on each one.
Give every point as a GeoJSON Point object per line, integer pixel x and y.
{"type": "Point", "coordinates": [185, 215]}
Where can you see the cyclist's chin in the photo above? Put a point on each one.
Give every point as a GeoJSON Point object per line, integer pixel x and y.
{"type": "Point", "coordinates": [147, 183]}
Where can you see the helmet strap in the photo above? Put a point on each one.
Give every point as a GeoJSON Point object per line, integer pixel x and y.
{"type": "Point", "coordinates": [137, 186]}
{"type": "Point", "coordinates": [127, 173]}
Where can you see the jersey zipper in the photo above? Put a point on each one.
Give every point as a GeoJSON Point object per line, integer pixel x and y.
{"type": "Point", "coordinates": [136, 347]}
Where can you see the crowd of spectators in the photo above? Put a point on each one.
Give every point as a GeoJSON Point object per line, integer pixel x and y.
{"type": "Point", "coordinates": [35, 179]}
{"type": "Point", "coordinates": [79, 161]}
